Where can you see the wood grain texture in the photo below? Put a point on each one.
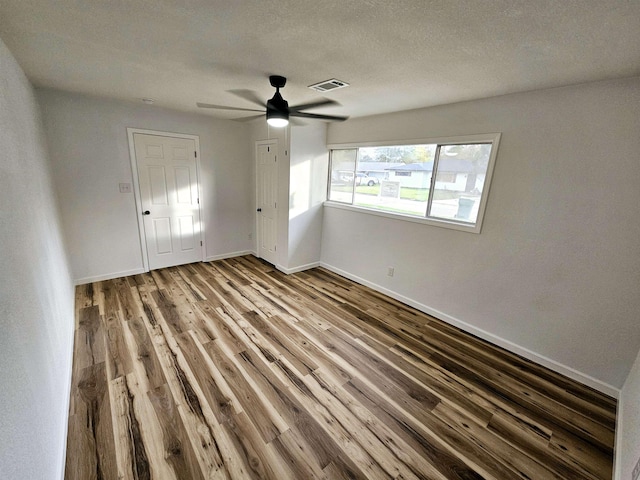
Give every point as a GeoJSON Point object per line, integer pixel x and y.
{"type": "Point", "coordinates": [234, 370]}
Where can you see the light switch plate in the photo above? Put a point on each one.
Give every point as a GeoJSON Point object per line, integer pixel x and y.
{"type": "Point", "coordinates": [125, 188]}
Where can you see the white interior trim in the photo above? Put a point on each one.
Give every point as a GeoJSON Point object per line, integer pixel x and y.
{"type": "Point", "coordinates": [138, 271]}
{"type": "Point", "coordinates": [476, 227]}
{"type": "Point", "coordinates": [456, 140]}
{"type": "Point", "coordinates": [68, 403]}
{"type": "Point", "coordinates": [224, 256]}
{"type": "Point", "coordinates": [617, 441]}
{"type": "Point", "coordinates": [136, 189]}
{"type": "Point", "coordinates": [494, 339]}
{"type": "Point", "coordinates": [405, 218]}
{"type": "Point", "coordinates": [300, 268]}
{"type": "Point", "coordinates": [109, 276]}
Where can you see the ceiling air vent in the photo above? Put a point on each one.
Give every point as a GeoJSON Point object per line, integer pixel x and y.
{"type": "Point", "coordinates": [328, 85]}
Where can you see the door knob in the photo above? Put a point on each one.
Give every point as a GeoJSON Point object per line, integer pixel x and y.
{"type": "Point", "coordinates": [259, 210]}
{"type": "Point", "coordinates": [146, 212]}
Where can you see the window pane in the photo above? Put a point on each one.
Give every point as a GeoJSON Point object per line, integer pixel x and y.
{"type": "Point", "coordinates": [394, 178]}
{"type": "Point", "coordinates": [398, 179]}
{"type": "Point", "coordinates": [343, 167]}
{"type": "Point", "coordinates": [459, 181]}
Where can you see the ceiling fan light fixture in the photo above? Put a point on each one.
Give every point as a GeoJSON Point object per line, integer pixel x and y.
{"type": "Point", "coordinates": [278, 111]}
{"type": "Point", "coordinates": [277, 119]}
{"type": "Point", "coordinates": [277, 108]}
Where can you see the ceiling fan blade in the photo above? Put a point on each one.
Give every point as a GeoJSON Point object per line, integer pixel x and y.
{"type": "Point", "coordinates": [248, 119]}
{"type": "Point", "coordinates": [250, 96]}
{"type": "Point", "coordinates": [292, 121]}
{"type": "Point", "coordinates": [296, 122]}
{"type": "Point", "coordinates": [319, 103]}
{"type": "Point", "coordinates": [317, 116]}
{"type": "Point", "coordinates": [223, 107]}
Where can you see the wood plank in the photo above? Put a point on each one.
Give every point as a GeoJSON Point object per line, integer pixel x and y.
{"type": "Point", "coordinates": [131, 454]}
{"type": "Point", "coordinates": [118, 355]}
{"type": "Point", "coordinates": [234, 370]}
{"type": "Point", "coordinates": [345, 439]}
{"type": "Point", "coordinates": [454, 394]}
{"type": "Point", "coordinates": [144, 358]}
{"type": "Point", "coordinates": [283, 345]}
{"type": "Point", "coordinates": [128, 305]}
{"type": "Point", "coordinates": [269, 423]}
{"type": "Point", "coordinates": [89, 338]}
{"type": "Point", "coordinates": [89, 346]}
{"type": "Point", "coordinates": [454, 455]}
{"type": "Point", "coordinates": [524, 376]}
{"type": "Point", "coordinates": [389, 448]}
{"type": "Point", "coordinates": [90, 446]}
{"type": "Point", "coordinates": [523, 465]}
{"type": "Point", "coordinates": [176, 448]}
{"type": "Point", "coordinates": [84, 297]}
{"type": "Point", "coordinates": [196, 417]}
{"type": "Point", "coordinates": [239, 451]}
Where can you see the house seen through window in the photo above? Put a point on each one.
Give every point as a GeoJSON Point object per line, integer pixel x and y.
{"type": "Point", "coordinates": [442, 182]}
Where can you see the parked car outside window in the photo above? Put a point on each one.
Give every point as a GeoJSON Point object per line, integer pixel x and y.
{"type": "Point", "coordinates": [364, 179]}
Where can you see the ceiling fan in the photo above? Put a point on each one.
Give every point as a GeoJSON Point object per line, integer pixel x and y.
{"type": "Point", "coordinates": [277, 109]}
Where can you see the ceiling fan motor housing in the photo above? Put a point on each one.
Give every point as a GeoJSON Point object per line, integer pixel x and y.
{"type": "Point", "coordinates": [278, 107]}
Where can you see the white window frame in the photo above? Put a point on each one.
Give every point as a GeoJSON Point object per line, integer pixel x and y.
{"type": "Point", "coordinates": [493, 138]}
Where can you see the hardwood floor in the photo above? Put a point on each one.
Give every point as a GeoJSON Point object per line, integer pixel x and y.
{"type": "Point", "coordinates": [234, 370]}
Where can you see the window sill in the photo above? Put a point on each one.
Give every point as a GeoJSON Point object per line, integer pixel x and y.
{"type": "Point", "coordinates": [460, 226]}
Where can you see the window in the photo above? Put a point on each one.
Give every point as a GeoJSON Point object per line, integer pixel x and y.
{"type": "Point", "coordinates": [443, 181]}
{"type": "Point", "coordinates": [447, 177]}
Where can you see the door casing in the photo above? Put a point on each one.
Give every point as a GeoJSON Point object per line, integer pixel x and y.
{"type": "Point", "coordinates": [273, 143]}
{"type": "Point", "coordinates": [138, 198]}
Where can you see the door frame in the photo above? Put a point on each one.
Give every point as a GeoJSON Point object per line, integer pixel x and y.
{"type": "Point", "coordinates": [271, 142]}
{"type": "Point", "coordinates": [136, 188]}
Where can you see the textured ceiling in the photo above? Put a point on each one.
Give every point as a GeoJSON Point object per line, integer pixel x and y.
{"type": "Point", "coordinates": [397, 55]}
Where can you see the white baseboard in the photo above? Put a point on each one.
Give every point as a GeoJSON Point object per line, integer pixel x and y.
{"type": "Point", "coordinates": [224, 256]}
{"type": "Point", "coordinates": [494, 339]}
{"type": "Point", "coordinates": [137, 271]}
{"type": "Point", "coordinates": [300, 268]}
{"type": "Point", "coordinates": [68, 382]}
{"type": "Point", "coordinates": [617, 454]}
{"type": "Point", "coordinates": [108, 276]}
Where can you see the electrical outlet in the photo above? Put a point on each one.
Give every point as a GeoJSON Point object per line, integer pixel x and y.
{"type": "Point", "coordinates": [390, 271]}
{"type": "Point", "coordinates": [125, 188]}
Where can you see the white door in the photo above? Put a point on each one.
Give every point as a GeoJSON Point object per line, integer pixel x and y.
{"type": "Point", "coordinates": [267, 224]}
{"type": "Point", "coordinates": [168, 181]}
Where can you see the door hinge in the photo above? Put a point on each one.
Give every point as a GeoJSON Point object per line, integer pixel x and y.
{"type": "Point", "coordinates": [275, 204]}
{"type": "Point", "coordinates": [200, 242]}
{"type": "Point", "coordinates": [195, 154]}
{"type": "Point", "coordinates": [275, 248]}
{"type": "Point", "coordinates": [198, 200]}
{"type": "Point", "coordinates": [268, 149]}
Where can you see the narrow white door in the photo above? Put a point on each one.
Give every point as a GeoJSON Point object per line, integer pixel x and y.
{"type": "Point", "coordinates": [267, 225]}
{"type": "Point", "coordinates": [168, 180]}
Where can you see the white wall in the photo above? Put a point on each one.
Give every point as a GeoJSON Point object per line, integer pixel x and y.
{"type": "Point", "coordinates": [36, 292]}
{"type": "Point", "coordinates": [554, 274]}
{"type": "Point", "coordinates": [303, 164]}
{"type": "Point", "coordinates": [628, 425]}
{"type": "Point", "coordinates": [307, 192]}
{"type": "Point", "coordinates": [89, 148]}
